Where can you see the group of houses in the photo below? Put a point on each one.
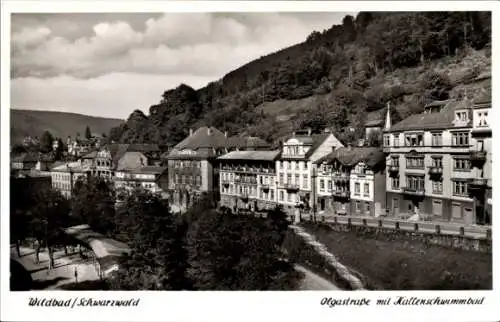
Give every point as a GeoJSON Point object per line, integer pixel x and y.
{"type": "Point", "coordinates": [434, 166]}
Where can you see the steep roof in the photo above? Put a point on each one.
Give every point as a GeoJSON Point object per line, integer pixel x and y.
{"type": "Point", "coordinates": [484, 99]}
{"type": "Point", "coordinates": [317, 140]}
{"type": "Point", "coordinates": [204, 137]}
{"type": "Point", "coordinates": [430, 121]}
{"type": "Point", "coordinates": [25, 157]}
{"type": "Point", "coordinates": [247, 142]}
{"type": "Point", "coordinates": [251, 155]}
{"type": "Point", "coordinates": [352, 156]}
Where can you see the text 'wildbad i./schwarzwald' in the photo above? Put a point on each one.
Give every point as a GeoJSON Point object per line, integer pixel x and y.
{"type": "Point", "coordinates": [401, 300]}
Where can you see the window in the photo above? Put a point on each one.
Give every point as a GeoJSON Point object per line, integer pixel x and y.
{"type": "Point", "coordinates": [415, 162]}
{"type": "Point", "coordinates": [297, 179]}
{"type": "Point", "coordinates": [297, 166]}
{"type": "Point", "coordinates": [461, 164]}
{"type": "Point", "coordinates": [288, 165]}
{"type": "Point", "coordinates": [460, 188]}
{"type": "Point", "coordinates": [322, 185]}
{"type": "Point", "coordinates": [357, 189]}
{"type": "Point", "coordinates": [461, 116]}
{"type": "Point", "coordinates": [282, 196]}
{"type": "Point", "coordinates": [366, 190]}
{"type": "Point", "coordinates": [272, 194]}
{"type": "Point", "coordinates": [305, 181]}
{"type": "Point", "coordinates": [395, 161]}
{"type": "Point", "coordinates": [437, 139]}
{"type": "Point", "coordinates": [329, 185]}
{"type": "Point", "coordinates": [281, 178]}
{"type": "Point", "coordinates": [358, 206]}
{"type": "Point", "coordinates": [437, 162]}
{"type": "Point", "coordinates": [460, 139]}
{"type": "Point", "coordinates": [437, 187]}
{"type": "Point", "coordinates": [395, 183]}
{"type": "Point", "coordinates": [387, 140]}
{"type": "Point", "coordinates": [289, 197]}
{"type": "Point", "coordinates": [305, 165]}
{"type": "Point", "coordinates": [396, 140]}
{"type": "Point", "coordinates": [367, 207]}
{"type": "Point", "coordinates": [414, 139]}
{"type": "Point", "coordinates": [483, 119]}
{"type": "Point", "coordinates": [415, 183]}
{"type": "Point", "coordinates": [289, 178]}
{"type": "Point", "coordinates": [456, 210]}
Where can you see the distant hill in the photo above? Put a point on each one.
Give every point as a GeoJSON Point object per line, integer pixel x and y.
{"type": "Point", "coordinates": [335, 79]}
{"type": "Point", "coordinates": [33, 123]}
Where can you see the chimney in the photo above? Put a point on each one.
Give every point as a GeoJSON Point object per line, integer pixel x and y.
{"type": "Point", "coordinates": [190, 132]}
{"type": "Point", "coordinates": [349, 147]}
{"type": "Point", "coordinates": [293, 133]}
{"type": "Point", "coordinates": [209, 131]}
{"type": "Point", "coordinates": [225, 133]}
{"type": "Point", "coordinates": [309, 131]}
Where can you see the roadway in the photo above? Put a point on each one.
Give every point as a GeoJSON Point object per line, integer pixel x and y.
{"type": "Point", "coordinates": [314, 282]}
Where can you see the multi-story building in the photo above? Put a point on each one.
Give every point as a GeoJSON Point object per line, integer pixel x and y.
{"type": "Point", "coordinates": [25, 161]}
{"type": "Point", "coordinates": [430, 160]}
{"type": "Point", "coordinates": [191, 166]}
{"type": "Point", "coordinates": [66, 175]}
{"type": "Point", "coordinates": [480, 187]}
{"type": "Point", "coordinates": [105, 161]}
{"type": "Point", "coordinates": [248, 180]}
{"type": "Point", "coordinates": [294, 168]}
{"type": "Point", "coordinates": [151, 178]}
{"type": "Point", "coordinates": [351, 181]}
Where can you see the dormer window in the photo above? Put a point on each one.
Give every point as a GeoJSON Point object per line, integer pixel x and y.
{"type": "Point", "coordinates": [414, 140]}
{"type": "Point", "coordinates": [461, 116]}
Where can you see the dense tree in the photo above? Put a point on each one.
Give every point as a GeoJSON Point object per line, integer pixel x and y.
{"type": "Point", "coordinates": [342, 61]}
{"type": "Point", "coordinates": [228, 252]}
{"type": "Point", "coordinates": [46, 141]}
{"type": "Point", "coordinates": [49, 213]}
{"type": "Point", "coordinates": [93, 203]}
{"type": "Point", "coordinates": [158, 259]}
{"type": "Point", "coordinates": [88, 134]}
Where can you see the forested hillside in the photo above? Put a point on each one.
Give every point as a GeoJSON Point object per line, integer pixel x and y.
{"type": "Point", "coordinates": [337, 78]}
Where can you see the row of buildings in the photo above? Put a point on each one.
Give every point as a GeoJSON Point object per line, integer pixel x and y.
{"type": "Point", "coordinates": [436, 165]}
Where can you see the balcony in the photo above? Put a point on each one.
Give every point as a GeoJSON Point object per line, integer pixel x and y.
{"type": "Point", "coordinates": [392, 168]}
{"type": "Point", "coordinates": [435, 171]}
{"type": "Point", "coordinates": [340, 177]}
{"type": "Point", "coordinates": [341, 194]}
{"type": "Point", "coordinates": [291, 186]}
{"type": "Point", "coordinates": [478, 157]}
{"type": "Point", "coordinates": [478, 183]}
{"type": "Point", "coordinates": [265, 186]}
{"type": "Point", "coordinates": [481, 131]}
{"type": "Point", "coordinates": [414, 191]}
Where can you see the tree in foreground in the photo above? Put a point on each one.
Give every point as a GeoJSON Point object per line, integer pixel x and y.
{"type": "Point", "coordinates": [228, 252]}
{"type": "Point", "coordinates": [157, 260]}
{"type": "Point", "coordinates": [93, 203]}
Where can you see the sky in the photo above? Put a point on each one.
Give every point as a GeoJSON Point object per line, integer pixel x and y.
{"type": "Point", "coordinates": [113, 63]}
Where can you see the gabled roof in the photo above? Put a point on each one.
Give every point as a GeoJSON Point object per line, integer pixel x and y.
{"type": "Point", "coordinates": [484, 99]}
{"type": "Point", "coordinates": [251, 155]}
{"type": "Point", "coordinates": [25, 157]}
{"type": "Point", "coordinates": [317, 140]}
{"type": "Point", "coordinates": [430, 121]}
{"type": "Point", "coordinates": [204, 137]}
{"type": "Point", "coordinates": [351, 156]}
{"type": "Point", "coordinates": [374, 123]}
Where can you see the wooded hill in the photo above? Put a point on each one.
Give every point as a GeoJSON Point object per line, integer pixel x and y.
{"type": "Point", "coordinates": [336, 79]}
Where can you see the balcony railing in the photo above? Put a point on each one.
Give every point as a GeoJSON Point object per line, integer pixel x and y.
{"type": "Point", "coordinates": [265, 186]}
{"type": "Point", "coordinates": [340, 177]}
{"type": "Point", "coordinates": [413, 191]}
{"type": "Point", "coordinates": [478, 183]}
{"type": "Point", "coordinates": [393, 168]}
{"type": "Point", "coordinates": [435, 170]}
{"type": "Point", "coordinates": [291, 186]}
{"type": "Point", "coordinates": [478, 156]}
{"type": "Point", "coordinates": [341, 193]}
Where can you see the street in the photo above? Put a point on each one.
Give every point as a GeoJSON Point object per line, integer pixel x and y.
{"type": "Point", "coordinates": [314, 282]}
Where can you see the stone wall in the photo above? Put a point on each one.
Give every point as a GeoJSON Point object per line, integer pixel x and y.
{"type": "Point", "coordinates": [436, 238]}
